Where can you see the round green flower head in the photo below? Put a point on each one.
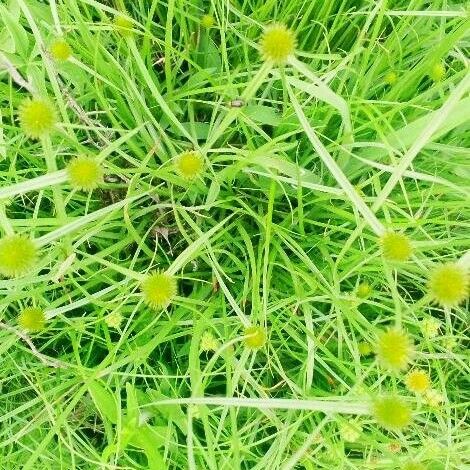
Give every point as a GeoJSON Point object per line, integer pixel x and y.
{"type": "Point", "coordinates": [417, 381]}
{"type": "Point", "coordinates": [37, 117]}
{"type": "Point", "coordinates": [448, 284]}
{"type": "Point", "coordinates": [438, 71]}
{"type": "Point", "coordinates": [394, 349]}
{"type": "Point", "coordinates": [123, 25]}
{"type": "Point", "coordinates": [396, 247]}
{"type": "Point", "coordinates": [189, 165]}
{"type": "Point", "coordinates": [17, 255]}
{"type": "Point", "coordinates": [255, 337]}
{"type": "Point", "coordinates": [277, 44]}
{"type": "Point", "coordinates": [207, 21]}
{"type": "Point", "coordinates": [60, 50]}
{"type": "Point", "coordinates": [84, 173]}
{"type": "Point", "coordinates": [391, 78]}
{"type": "Point", "coordinates": [158, 289]}
{"type": "Point", "coordinates": [32, 319]}
{"type": "Point", "coordinates": [392, 412]}
{"type": "Point", "coordinates": [364, 290]}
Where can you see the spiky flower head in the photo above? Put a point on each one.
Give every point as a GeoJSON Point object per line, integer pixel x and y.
{"type": "Point", "coordinates": [364, 290]}
{"type": "Point", "coordinates": [438, 71]}
{"type": "Point", "coordinates": [17, 255]}
{"type": "Point", "coordinates": [158, 289]}
{"type": "Point", "coordinates": [37, 117]}
{"type": "Point", "coordinates": [394, 349]}
{"type": "Point", "coordinates": [208, 342]}
{"type": "Point", "coordinates": [364, 348]}
{"type": "Point", "coordinates": [277, 44]}
{"type": "Point", "coordinates": [350, 432]}
{"type": "Point", "coordinates": [391, 78]}
{"type": "Point", "coordinates": [417, 381]}
{"type": "Point", "coordinates": [255, 337]}
{"type": "Point", "coordinates": [114, 319]}
{"type": "Point", "coordinates": [413, 465]}
{"type": "Point", "coordinates": [32, 319]}
{"type": "Point", "coordinates": [84, 173]}
{"type": "Point", "coordinates": [60, 50]}
{"type": "Point", "coordinates": [430, 327]}
{"type": "Point", "coordinates": [123, 25]}
{"type": "Point", "coordinates": [207, 21]}
{"type": "Point", "coordinates": [448, 284]}
{"type": "Point", "coordinates": [396, 247]}
{"type": "Point", "coordinates": [189, 164]}
{"type": "Point", "coordinates": [392, 412]}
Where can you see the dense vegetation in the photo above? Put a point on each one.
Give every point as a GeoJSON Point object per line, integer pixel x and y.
{"type": "Point", "coordinates": [234, 234]}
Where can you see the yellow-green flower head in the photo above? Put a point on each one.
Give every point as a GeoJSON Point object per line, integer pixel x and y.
{"type": "Point", "coordinates": [396, 247]}
{"type": "Point", "coordinates": [158, 289]}
{"type": "Point", "coordinates": [255, 337]}
{"type": "Point", "coordinates": [391, 78]}
{"type": "Point", "coordinates": [123, 25]}
{"type": "Point", "coordinates": [32, 319]}
{"type": "Point", "coordinates": [114, 319]}
{"type": "Point", "coordinates": [417, 381]}
{"type": "Point", "coordinates": [438, 71]}
{"type": "Point", "coordinates": [430, 327]}
{"type": "Point", "coordinates": [18, 255]}
{"type": "Point", "coordinates": [189, 165]}
{"type": "Point", "coordinates": [350, 432]}
{"type": "Point", "coordinates": [207, 21]}
{"type": "Point", "coordinates": [84, 173]}
{"type": "Point", "coordinates": [364, 348]}
{"type": "Point", "coordinates": [37, 117]}
{"type": "Point", "coordinates": [392, 412]}
{"type": "Point", "coordinates": [448, 284]}
{"type": "Point", "coordinates": [60, 50]}
{"type": "Point", "coordinates": [277, 44]}
{"type": "Point", "coordinates": [209, 342]}
{"type": "Point", "coordinates": [364, 290]}
{"type": "Point", "coordinates": [394, 349]}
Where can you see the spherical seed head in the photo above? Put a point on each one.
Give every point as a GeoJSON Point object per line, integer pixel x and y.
{"type": "Point", "coordinates": [350, 432]}
{"type": "Point", "coordinates": [430, 327]}
{"type": "Point", "coordinates": [123, 25]}
{"type": "Point", "coordinates": [32, 319]}
{"type": "Point", "coordinates": [394, 349]}
{"type": "Point", "coordinates": [17, 255]}
{"type": "Point", "coordinates": [84, 173]}
{"type": "Point", "coordinates": [114, 319]}
{"type": "Point", "coordinates": [438, 71]}
{"type": "Point", "coordinates": [396, 247]}
{"type": "Point", "coordinates": [158, 289]}
{"type": "Point", "coordinates": [207, 21]}
{"type": "Point", "coordinates": [277, 44]}
{"type": "Point", "coordinates": [417, 381]}
{"type": "Point", "coordinates": [189, 165]}
{"type": "Point", "coordinates": [208, 342]}
{"type": "Point", "coordinates": [364, 348]}
{"type": "Point", "coordinates": [255, 337]}
{"type": "Point", "coordinates": [391, 78]}
{"type": "Point", "coordinates": [392, 412]}
{"type": "Point", "coordinates": [448, 284]}
{"type": "Point", "coordinates": [60, 50]}
{"type": "Point", "coordinates": [364, 290]}
{"type": "Point", "coordinates": [37, 117]}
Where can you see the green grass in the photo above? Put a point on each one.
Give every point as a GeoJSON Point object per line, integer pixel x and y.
{"type": "Point", "coordinates": [306, 166]}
